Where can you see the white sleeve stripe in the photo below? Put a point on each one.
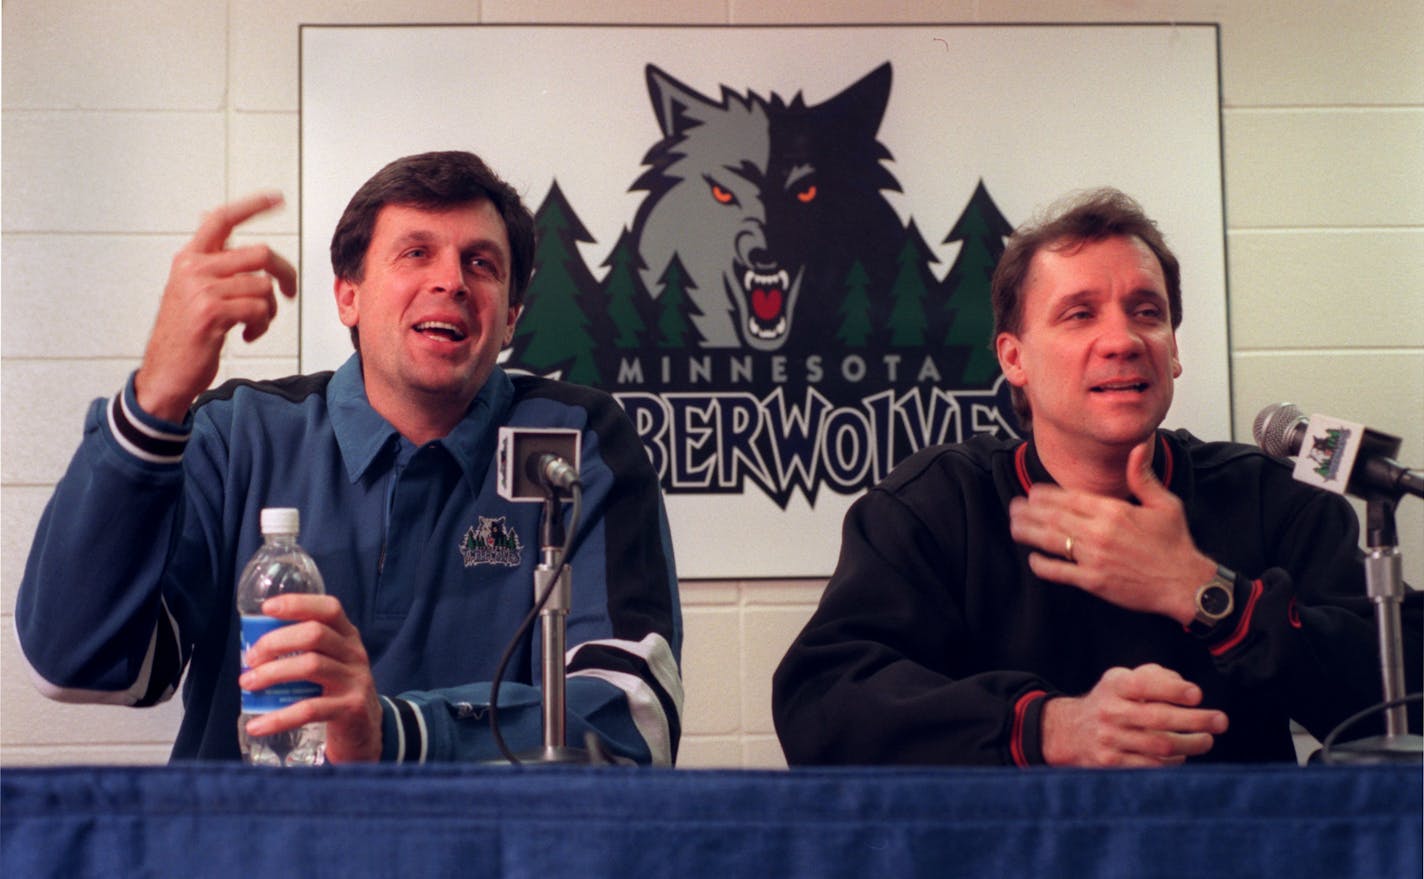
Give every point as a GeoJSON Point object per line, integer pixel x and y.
{"type": "Point", "coordinates": [656, 652]}
{"type": "Point", "coordinates": [411, 731]}
{"type": "Point", "coordinates": [424, 732]}
{"type": "Point", "coordinates": [643, 705]}
{"type": "Point", "coordinates": [400, 731]}
{"type": "Point", "coordinates": [132, 418]}
{"type": "Point", "coordinates": [176, 634]}
{"type": "Point", "coordinates": [128, 445]}
{"type": "Point", "coordinates": [132, 695]}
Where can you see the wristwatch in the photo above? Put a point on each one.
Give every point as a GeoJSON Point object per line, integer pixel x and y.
{"type": "Point", "coordinates": [1216, 599]}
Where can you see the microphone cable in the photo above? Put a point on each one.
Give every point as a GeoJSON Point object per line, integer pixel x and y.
{"type": "Point", "coordinates": [1329, 743]}
{"type": "Point", "coordinates": [565, 554]}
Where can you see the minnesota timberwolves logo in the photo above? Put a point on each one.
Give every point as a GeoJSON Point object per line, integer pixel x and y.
{"type": "Point", "coordinates": [492, 542]}
{"type": "Point", "coordinates": [1325, 452]}
{"type": "Point", "coordinates": [767, 319]}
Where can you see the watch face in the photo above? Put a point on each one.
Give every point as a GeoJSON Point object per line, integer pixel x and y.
{"type": "Point", "coordinates": [1215, 600]}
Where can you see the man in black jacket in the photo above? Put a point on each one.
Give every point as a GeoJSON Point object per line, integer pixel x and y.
{"type": "Point", "coordinates": [1103, 593]}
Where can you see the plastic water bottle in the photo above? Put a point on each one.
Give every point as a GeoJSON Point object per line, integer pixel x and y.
{"type": "Point", "coordinates": [279, 566]}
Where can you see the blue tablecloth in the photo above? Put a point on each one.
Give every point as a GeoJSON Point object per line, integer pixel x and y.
{"type": "Point", "coordinates": [228, 820]}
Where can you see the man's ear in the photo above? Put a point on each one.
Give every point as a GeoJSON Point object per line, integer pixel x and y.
{"type": "Point", "coordinates": [346, 305]}
{"type": "Point", "coordinates": [1176, 360]}
{"type": "Point", "coordinates": [514, 312]}
{"type": "Point", "coordinates": [1006, 346]}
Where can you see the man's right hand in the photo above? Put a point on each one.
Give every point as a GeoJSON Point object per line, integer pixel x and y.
{"type": "Point", "coordinates": [1146, 716]}
{"type": "Point", "coordinates": [323, 647]}
{"type": "Point", "coordinates": [210, 290]}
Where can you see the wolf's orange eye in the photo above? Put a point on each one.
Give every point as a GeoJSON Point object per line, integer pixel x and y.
{"type": "Point", "coordinates": [807, 195]}
{"type": "Point", "coordinates": [722, 195]}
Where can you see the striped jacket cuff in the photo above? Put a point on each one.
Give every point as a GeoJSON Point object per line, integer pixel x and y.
{"type": "Point", "coordinates": [1025, 739]}
{"type": "Point", "coordinates": [647, 673]}
{"type": "Point", "coordinates": [1245, 611]}
{"type": "Point", "coordinates": [404, 736]}
{"type": "Point", "coordinates": [140, 434]}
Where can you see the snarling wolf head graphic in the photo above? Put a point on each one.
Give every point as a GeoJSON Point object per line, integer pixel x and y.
{"type": "Point", "coordinates": [766, 204]}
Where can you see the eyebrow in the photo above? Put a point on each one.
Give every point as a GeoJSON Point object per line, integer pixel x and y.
{"type": "Point", "coordinates": [747, 171]}
{"type": "Point", "coordinates": [416, 236]}
{"type": "Point", "coordinates": [488, 247]}
{"type": "Point", "coordinates": [1092, 297]}
{"type": "Point", "coordinates": [798, 172]}
{"type": "Point", "coordinates": [1158, 296]}
{"type": "Point", "coordinates": [479, 245]}
{"type": "Point", "coordinates": [1078, 297]}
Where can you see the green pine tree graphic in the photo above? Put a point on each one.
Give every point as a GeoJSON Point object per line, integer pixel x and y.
{"type": "Point", "coordinates": [674, 305]}
{"type": "Point", "coordinates": [981, 228]}
{"type": "Point", "coordinates": [856, 327]}
{"type": "Point", "coordinates": [625, 290]}
{"type": "Point", "coordinates": [912, 282]}
{"type": "Point", "coordinates": [554, 331]}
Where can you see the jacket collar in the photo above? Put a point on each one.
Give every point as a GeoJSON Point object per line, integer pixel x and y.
{"type": "Point", "coordinates": [1029, 469]}
{"type": "Point", "coordinates": [363, 434]}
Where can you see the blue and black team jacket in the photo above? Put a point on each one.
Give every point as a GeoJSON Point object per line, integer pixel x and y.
{"type": "Point", "coordinates": [132, 573]}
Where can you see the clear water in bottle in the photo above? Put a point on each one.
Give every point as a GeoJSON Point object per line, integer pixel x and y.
{"type": "Point", "coordinates": [280, 565]}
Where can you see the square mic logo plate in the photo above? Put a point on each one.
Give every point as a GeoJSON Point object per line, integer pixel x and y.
{"type": "Point", "coordinates": [518, 446]}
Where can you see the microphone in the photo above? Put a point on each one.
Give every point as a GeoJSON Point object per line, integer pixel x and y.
{"type": "Point", "coordinates": [1338, 456]}
{"type": "Point", "coordinates": [532, 461]}
{"type": "Point", "coordinates": [551, 471]}
{"type": "Point", "coordinates": [1280, 429]}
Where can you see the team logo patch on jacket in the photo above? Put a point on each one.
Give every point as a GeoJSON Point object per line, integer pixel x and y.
{"type": "Point", "coordinates": [492, 542]}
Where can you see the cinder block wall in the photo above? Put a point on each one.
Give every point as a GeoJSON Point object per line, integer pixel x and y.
{"type": "Point", "coordinates": [124, 119]}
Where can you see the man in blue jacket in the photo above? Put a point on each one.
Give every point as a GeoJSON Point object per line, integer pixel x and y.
{"type": "Point", "coordinates": [131, 577]}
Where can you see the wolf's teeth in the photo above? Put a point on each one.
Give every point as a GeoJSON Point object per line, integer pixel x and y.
{"type": "Point", "coordinates": [781, 280]}
{"type": "Point", "coordinates": [762, 333]}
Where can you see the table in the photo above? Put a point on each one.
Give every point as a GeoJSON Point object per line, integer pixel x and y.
{"type": "Point", "coordinates": [231, 820]}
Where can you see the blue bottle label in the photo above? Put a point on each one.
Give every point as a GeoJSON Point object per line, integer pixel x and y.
{"type": "Point", "coordinates": [278, 695]}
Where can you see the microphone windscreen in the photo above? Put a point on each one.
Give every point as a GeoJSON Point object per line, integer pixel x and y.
{"type": "Point", "coordinates": [1275, 428]}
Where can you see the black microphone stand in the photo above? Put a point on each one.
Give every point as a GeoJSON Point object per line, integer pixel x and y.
{"type": "Point", "coordinates": [1384, 584]}
{"type": "Point", "coordinates": [553, 577]}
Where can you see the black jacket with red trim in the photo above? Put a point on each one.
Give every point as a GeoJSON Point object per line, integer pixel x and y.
{"type": "Point", "coordinates": [934, 643]}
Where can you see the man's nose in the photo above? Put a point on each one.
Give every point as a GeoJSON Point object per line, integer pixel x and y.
{"type": "Point", "coordinates": [1119, 338]}
{"type": "Point", "coordinates": [447, 274]}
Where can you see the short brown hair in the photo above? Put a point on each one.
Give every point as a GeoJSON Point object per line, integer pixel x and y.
{"type": "Point", "coordinates": [1083, 217]}
{"type": "Point", "coordinates": [433, 181]}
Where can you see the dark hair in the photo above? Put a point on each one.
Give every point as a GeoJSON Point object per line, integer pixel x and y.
{"type": "Point", "coordinates": [1089, 216]}
{"type": "Point", "coordinates": [433, 181]}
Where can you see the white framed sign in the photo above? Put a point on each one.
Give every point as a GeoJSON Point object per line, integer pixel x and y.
{"type": "Point", "coordinates": [772, 244]}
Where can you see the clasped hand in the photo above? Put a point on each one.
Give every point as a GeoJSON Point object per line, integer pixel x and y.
{"type": "Point", "coordinates": [1141, 557]}
{"type": "Point", "coordinates": [1144, 716]}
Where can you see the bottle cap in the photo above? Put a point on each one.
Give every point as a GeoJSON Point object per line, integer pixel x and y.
{"type": "Point", "coordinates": [281, 520]}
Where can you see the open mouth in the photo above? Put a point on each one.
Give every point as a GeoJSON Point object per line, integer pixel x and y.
{"type": "Point", "coordinates": [1120, 387]}
{"type": "Point", "coordinates": [440, 330]}
{"type": "Point", "coordinates": [767, 295]}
